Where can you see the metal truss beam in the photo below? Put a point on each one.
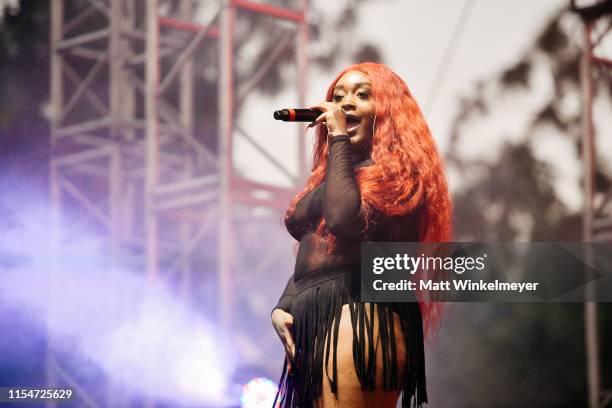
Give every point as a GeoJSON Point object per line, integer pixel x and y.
{"type": "Point", "coordinates": [597, 223]}
{"type": "Point", "coordinates": [136, 135]}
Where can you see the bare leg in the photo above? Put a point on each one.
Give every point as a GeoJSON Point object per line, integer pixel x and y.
{"type": "Point", "coordinates": [350, 394]}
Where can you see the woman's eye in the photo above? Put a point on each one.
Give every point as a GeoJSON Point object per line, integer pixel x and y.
{"type": "Point", "coordinates": [363, 95]}
{"type": "Point", "coordinates": [337, 98]}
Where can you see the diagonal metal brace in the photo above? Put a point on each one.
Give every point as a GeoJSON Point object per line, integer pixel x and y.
{"type": "Point", "coordinates": [186, 54]}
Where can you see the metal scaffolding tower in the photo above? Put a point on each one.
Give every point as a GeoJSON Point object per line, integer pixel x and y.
{"type": "Point", "coordinates": [597, 216]}
{"type": "Point", "coordinates": [125, 150]}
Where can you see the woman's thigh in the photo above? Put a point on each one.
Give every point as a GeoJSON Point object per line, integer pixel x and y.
{"type": "Point", "coordinates": [349, 393]}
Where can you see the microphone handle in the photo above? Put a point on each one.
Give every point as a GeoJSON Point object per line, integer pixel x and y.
{"type": "Point", "coordinates": [297, 115]}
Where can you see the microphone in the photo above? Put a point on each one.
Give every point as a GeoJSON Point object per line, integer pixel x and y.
{"type": "Point", "coordinates": [297, 115]}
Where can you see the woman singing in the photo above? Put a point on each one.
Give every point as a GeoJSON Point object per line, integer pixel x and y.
{"type": "Point", "coordinates": [377, 176]}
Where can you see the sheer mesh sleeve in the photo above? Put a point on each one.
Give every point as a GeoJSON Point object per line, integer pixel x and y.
{"type": "Point", "coordinates": [341, 201]}
{"type": "Point", "coordinates": [284, 303]}
{"type": "Point", "coordinates": [337, 199]}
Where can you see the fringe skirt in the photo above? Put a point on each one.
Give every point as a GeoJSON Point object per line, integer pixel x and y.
{"type": "Point", "coordinates": [316, 310]}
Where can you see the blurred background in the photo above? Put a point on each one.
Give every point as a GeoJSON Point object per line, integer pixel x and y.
{"type": "Point", "coordinates": [143, 184]}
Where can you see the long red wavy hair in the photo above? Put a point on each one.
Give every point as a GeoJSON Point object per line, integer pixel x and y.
{"type": "Point", "coordinates": [407, 175]}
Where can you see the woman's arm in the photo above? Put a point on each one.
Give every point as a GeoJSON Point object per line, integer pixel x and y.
{"type": "Point", "coordinates": [341, 200]}
{"type": "Point", "coordinates": [284, 303]}
{"type": "Point", "coordinates": [282, 320]}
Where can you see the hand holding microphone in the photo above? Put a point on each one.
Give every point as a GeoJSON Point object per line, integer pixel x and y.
{"type": "Point", "coordinates": [328, 112]}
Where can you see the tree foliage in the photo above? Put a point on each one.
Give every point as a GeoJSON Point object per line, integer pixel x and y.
{"type": "Point", "coordinates": [510, 195]}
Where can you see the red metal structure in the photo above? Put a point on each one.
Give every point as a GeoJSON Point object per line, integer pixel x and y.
{"type": "Point", "coordinates": [597, 216]}
{"type": "Point", "coordinates": [126, 152]}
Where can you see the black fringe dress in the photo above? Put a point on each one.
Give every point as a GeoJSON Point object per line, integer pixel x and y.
{"type": "Point", "coordinates": [323, 282]}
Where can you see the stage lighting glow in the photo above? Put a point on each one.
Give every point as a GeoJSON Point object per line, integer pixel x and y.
{"type": "Point", "coordinates": [135, 332]}
{"type": "Point", "coordinates": [259, 392]}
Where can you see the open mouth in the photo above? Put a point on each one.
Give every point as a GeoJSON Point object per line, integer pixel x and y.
{"type": "Point", "coordinates": [352, 123]}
